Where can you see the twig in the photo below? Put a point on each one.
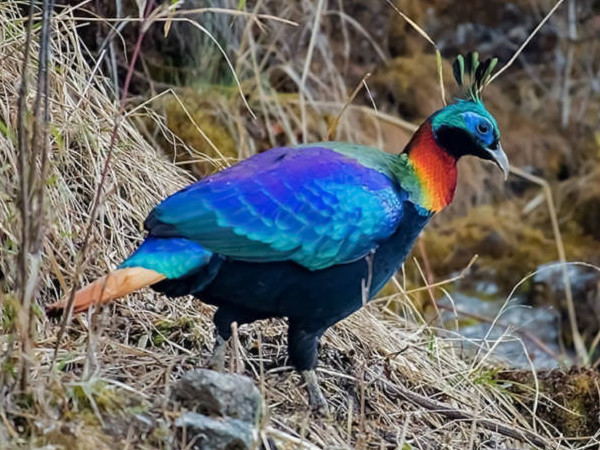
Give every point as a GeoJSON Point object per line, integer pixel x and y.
{"type": "Point", "coordinates": [100, 187]}
{"type": "Point", "coordinates": [425, 279]}
{"type": "Point", "coordinates": [388, 118]}
{"type": "Point", "coordinates": [238, 364]}
{"type": "Point", "coordinates": [311, 47]}
{"type": "Point", "coordinates": [529, 38]}
{"type": "Point", "coordinates": [566, 98]}
{"type": "Point", "coordinates": [457, 414]}
{"type": "Point", "coordinates": [447, 281]}
{"type": "Point", "coordinates": [355, 92]}
{"type": "Point", "coordinates": [438, 54]}
{"type": "Point", "coordinates": [294, 442]}
{"type": "Point", "coordinates": [228, 61]}
{"type": "Point", "coordinates": [24, 195]}
{"type": "Point", "coordinates": [376, 122]}
{"type": "Point", "coordinates": [582, 354]}
{"type": "Point", "coordinates": [485, 319]}
{"type": "Point", "coordinates": [33, 162]}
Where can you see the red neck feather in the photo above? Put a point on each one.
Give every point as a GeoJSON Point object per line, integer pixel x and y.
{"type": "Point", "coordinates": [435, 168]}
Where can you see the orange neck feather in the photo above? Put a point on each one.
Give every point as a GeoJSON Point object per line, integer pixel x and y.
{"type": "Point", "coordinates": [434, 167]}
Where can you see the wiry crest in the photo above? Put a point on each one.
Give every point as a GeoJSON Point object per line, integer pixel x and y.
{"type": "Point", "coordinates": [471, 75]}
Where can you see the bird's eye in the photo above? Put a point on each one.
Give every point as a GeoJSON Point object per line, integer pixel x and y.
{"type": "Point", "coordinates": [483, 127]}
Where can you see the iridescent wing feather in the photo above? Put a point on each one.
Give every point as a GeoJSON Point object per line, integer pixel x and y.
{"type": "Point", "coordinates": [313, 206]}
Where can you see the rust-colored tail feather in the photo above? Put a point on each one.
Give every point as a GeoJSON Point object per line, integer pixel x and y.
{"type": "Point", "coordinates": [110, 287]}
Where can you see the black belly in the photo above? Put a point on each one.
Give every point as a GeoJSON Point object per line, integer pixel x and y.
{"type": "Point", "coordinates": [286, 289]}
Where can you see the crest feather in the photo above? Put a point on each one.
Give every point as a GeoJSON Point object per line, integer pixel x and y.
{"type": "Point", "coordinates": [471, 75]}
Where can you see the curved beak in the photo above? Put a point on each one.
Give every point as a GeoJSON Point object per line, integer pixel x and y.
{"type": "Point", "coordinates": [498, 156]}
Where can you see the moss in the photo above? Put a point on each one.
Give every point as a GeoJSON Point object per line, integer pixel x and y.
{"type": "Point", "coordinates": [419, 301]}
{"type": "Point", "coordinates": [507, 246]}
{"type": "Point", "coordinates": [407, 83]}
{"type": "Point", "coordinates": [403, 39]}
{"type": "Point", "coordinates": [201, 113]}
{"type": "Point", "coordinates": [93, 397]}
{"type": "Point", "coordinates": [571, 403]}
{"type": "Point", "coordinates": [84, 415]}
{"type": "Point", "coordinates": [8, 312]}
{"type": "Point", "coordinates": [181, 330]}
{"type": "Point", "coordinates": [485, 376]}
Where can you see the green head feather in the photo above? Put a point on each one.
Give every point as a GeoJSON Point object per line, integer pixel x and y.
{"type": "Point", "coordinates": [471, 75]}
{"type": "Point", "coordinates": [458, 115]}
{"type": "Point", "coordinates": [466, 127]}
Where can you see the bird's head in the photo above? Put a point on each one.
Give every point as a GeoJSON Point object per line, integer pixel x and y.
{"type": "Point", "coordinates": [466, 127]}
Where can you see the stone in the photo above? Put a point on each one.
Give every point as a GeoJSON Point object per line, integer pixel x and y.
{"type": "Point", "coordinates": [548, 290]}
{"type": "Point", "coordinates": [219, 394]}
{"type": "Point", "coordinates": [207, 433]}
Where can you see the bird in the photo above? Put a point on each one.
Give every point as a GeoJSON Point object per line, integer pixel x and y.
{"type": "Point", "coordinates": [306, 232]}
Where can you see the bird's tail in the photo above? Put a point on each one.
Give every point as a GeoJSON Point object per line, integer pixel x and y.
{"type": "Point", "coordinates": [107, 288]}
{"type": "Point", "coordinates": [153, 261]}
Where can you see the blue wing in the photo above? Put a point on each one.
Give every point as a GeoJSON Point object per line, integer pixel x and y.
{"type": "Point", "coordinates": [313, 206]}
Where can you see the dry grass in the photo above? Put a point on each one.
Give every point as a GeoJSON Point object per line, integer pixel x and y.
{"type": "Point", "coordinates": [392, 383]}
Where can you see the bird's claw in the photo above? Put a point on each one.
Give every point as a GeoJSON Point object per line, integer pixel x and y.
{"type": "Point", "coordinates": [318, 403]}
{"type": "Point", "coordinates": [316, 399]}
{"type": "Point", "coordinates": [217, 359]}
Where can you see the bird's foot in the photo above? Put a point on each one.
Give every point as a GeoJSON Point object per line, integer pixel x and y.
{"type": "Point", "coordinates": [316, 399]}
{"type": "Point", "coordinates": [217, 360]}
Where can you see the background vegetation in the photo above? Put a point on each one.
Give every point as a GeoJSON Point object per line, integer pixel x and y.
{"type": "Point", "coordinates": [108, 106]}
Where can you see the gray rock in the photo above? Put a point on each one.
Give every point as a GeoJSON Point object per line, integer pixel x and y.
{"type": "Point", "coordinates": [206, 433]}
{"type": "Point", "coordinates": [548, 289]}
{"type": "Point", "coordinates": [219, 394]}
{"type": "Point", "coordinates": [551, 275]}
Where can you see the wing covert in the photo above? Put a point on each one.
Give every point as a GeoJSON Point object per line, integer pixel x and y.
{"type": "Point", "coordinates": [312, 205]}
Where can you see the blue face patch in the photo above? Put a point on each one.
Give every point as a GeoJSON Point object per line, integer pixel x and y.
{"type": "Point", "coordinates": [480, 127]}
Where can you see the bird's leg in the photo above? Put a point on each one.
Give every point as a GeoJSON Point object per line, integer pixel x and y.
{"type": "Point", "coordinates": [223, 318]}
{"type": "Point", "coordinates": [316, 399]}
{"type": "Point", "coordinates": [217, 360]}
{"type": "Point", "coordinates": [302, 346]}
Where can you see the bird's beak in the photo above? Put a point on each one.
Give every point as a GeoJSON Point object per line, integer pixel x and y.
{"type": "Point", "coordinates": [499, 157]}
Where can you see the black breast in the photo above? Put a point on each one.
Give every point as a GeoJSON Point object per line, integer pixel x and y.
{"type": "Point", "coordinates": [278, 289]}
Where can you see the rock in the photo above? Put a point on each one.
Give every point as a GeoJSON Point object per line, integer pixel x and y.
{"type": "Point", "coordinates": [219, 394]}
{"type": "Point", "coordinates": [539, 322]}
{"type": "Point", "coordinates": [4, 437]}
{"type": "Point", "coordinates": [206, 433]}
{"type": "Point", "coordinates": [548, 289]}
{"type": "Point", "coordinates": [493, 28]}
{"type": "Point", "coordinates": [233, 399]}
